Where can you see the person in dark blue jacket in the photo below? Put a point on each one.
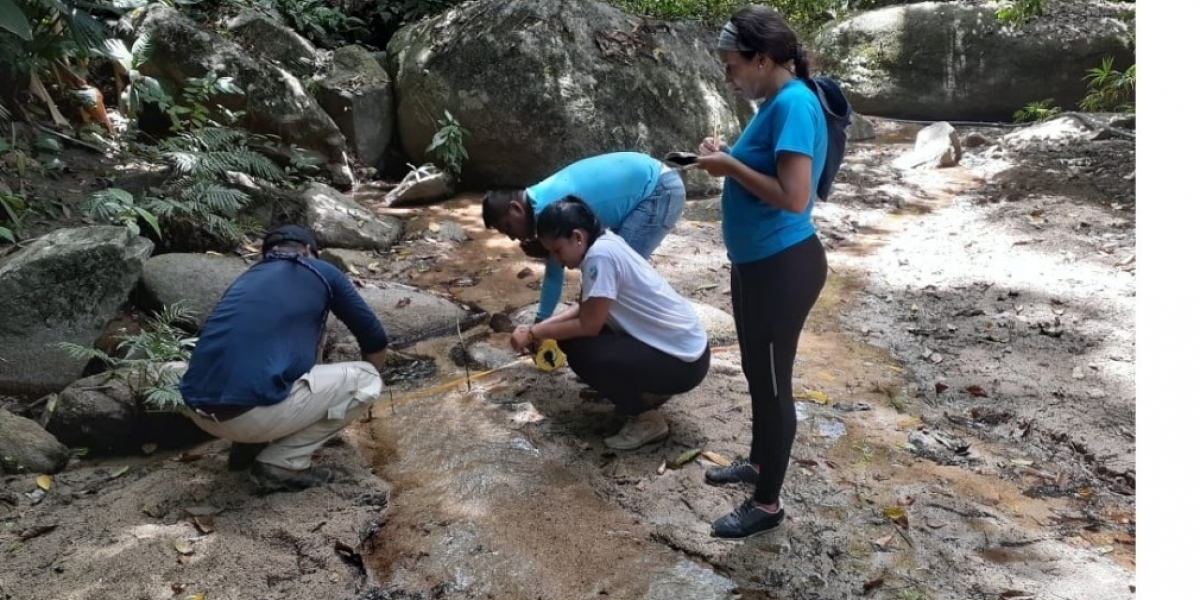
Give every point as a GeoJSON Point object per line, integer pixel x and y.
{"type": "Point", "coordinates": [253, 377]}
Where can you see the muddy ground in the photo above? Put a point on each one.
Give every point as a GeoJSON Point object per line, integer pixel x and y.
{"type": "Point", "coordinates": [965, 388]}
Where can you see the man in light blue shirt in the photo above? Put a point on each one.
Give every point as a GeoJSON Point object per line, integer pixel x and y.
{"type": "Point", "coordinates": [635, 195]}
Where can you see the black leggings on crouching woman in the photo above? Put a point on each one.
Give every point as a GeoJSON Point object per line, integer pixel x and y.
{"type": "Point", "coordinates": [622, 368]}
{"type": "Point", "coordinates": [771, 301]}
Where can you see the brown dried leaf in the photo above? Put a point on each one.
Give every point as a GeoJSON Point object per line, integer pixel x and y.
{"type": "Point", "coordinates": [720, 461]}
{"type": "Point", "coordinates": [188, 457]}
{"type": "Point", "coordinates": [940, 387]}
{"type": "Point", "coordinates": [935, 525]}
{"type": "Point", "coordinates": [872, 585]}
{"type": "Point", "coordinates": [204, 524]}
{"type": "Point", "coordinates": [177, 588]}
{"type": "Point", "coordinates": [36, 531]}
{"type": "Point", "coordinates": [523, 273]}
{"type": "Point", "coordinates": [976, 391]}
{"type": "Point", "coordinates": [1015, 594]}
{"type": "Point", "coordinates": [804, 462]}
{"type": "Point", "coordinates": [405, 301]}
{"type": "Point", "coordinates": [881, 543]}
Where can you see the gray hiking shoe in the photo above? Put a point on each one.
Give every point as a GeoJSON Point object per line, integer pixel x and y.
{"type": "Point", "coordinates": [643, 429]}
{"type": "Point", "coordinates": [270, 478]}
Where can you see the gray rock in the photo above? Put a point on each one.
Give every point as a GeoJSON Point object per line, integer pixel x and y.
{"type": "Point", "coordinates": [976, 140]}
{"type": "Point", "coordinates": [526, 315]}
{"type": "Point", "coordinates": [690, 581]}
{"type": "Point", "coordinates": [357, 93]}
{"type": "Point", "coordinates": [63, 287]}
{"type": "Point", "coordinates": [483, 355]}
{"type": "Point", "coordinates": [198, 280]}
{"type": "Point", "coordinates": [717, 323]}
{"type": "Point", "coordinates": [699, 184]}
{"type": "Point", "coordinates": [956, 61]}
{"type": "Point", "coordinates": [344, 259]}
{"type": "Point", "coordinates": [104, 413]}
{"type": "Point", "coordinates": [426, 183]}
{"type": "Point", "coordinates": [337, 221]}
{"type": "Point", "coordinates": [860, 129]}
{"type": "Point", "coordinates": [597, 79]}
{"type": "Point", "coordinates": [936, 146]}
{"type": "Point", "coordinates": [26, 447]}
{"type": "Point", "coordinates": [408, 315]}
{"type": "Point", "coordinates": [277, 42]}
{"type": "Point", "coordinates": [275, 101]}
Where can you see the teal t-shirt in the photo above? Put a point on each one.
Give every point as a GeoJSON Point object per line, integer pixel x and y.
{"type": "Point", "coordinates": [790, 121]}
{"type": "Point", "coordinates": [611, 184]}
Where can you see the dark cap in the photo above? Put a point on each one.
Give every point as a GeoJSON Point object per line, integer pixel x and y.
{"type": "Point", "coordinates": [290, 233]}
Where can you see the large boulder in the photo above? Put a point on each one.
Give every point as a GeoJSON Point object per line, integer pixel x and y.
{"type": "Point", "coordinates": [957, 61]}
{"type": "Point", "coordinates": [197, 280]}
{"type": "Point", "coordinates": [26, 447]}
{"type": "Point", "coordinates": [64, 287]}
{"type": "Point", "coordinates": [270, 38]}
{"type": "Point", "coordinates": [357, 93]}
{"type": "Point", "coordinates": [337, 221]}
{"type": "Point", "coordinates": [542, 83]}
{"type": "Point", "coordinates": [105, 413]}
{"type": "Point", "coordinates": [408, 315]}
{"type": "Point", "coordinates": [275, 101]}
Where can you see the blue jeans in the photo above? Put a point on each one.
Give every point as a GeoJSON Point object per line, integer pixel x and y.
{"type": "Point", "coordinates": [649, 222]}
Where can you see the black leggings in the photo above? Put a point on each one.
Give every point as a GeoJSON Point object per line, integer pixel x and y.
{"type": "Point", "coordinates": [622, 368]}
{"type": "Point", "coordinates": [771, 300]}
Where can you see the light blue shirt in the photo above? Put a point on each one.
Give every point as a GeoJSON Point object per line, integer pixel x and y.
{"type": "Point", "coordinates": [610, 184]}
{"type": "Point", "coordinates": [790, 121]}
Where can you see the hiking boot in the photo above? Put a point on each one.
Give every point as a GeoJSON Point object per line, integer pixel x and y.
{"type": "Point", "coordinates": [241, 456]}
{"type": "Point", "coordinates": [270, 478]}
{"type": "Point", "coordinates": [643, 429]}
{"type": "Point", "coordinates": [655, 400]}
{"type": "Point", "coordinates": [741, 471]}
{"type": "Point", "coordinates": [746, 521]}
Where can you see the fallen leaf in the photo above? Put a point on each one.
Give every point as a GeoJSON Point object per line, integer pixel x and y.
{"type": "Point", "coordinates": [119, 471]}
{"type": "Point", "coordinates": [905, 500]}
{"type": "Point", "coordinates": [662, 468]}
{"type": "Point", "coordinates": [44, 482]}
{"type": "Point", "coordinates": [872, 584]}
{"type": "Point", "coordinates": [881, 543]}
{"type": "Point", "coordinates": [935, 525]}
{"type": "Point", "coordinates": [721, 461]}
{"type": "Point", "coordinates": [196, 596]}
{"type": "Point", "coordinates": [204, 524]}
{"type": "Point", "coordinates": [817, 397]}
{"type": "Point", "coordinates": [405, 301]}
{"type": "Point", "coordinates": [350, 269]}
{"type": "Point", "coordinates": [523, 273]}
{"type": "Point", "coordinates": [894, 512]}
{"type": "Point", "coordinates": [183, 559]}
{"type": "Point", "coordinates": [434, 227]}
{"type": "Point", "coordinates": [188, 457]}
{"type": "Point", "coordinates": [36, 531]}
{"type": "Point", "coordinates": [183, 546]}
{"type": "Point", "coordinates": [976, 391]}
{"type": "Point", "coordinates": [1015, 594]}
{"type": "Point", "coordinates": [940, 387]}
{"type": "Point", "coordinates": [684, 458]}
{"type": "Point", "coordinates": [804, 462]}
{"type": "Point", "coordinates": [149, 448]}
{"type": "Point", "coordinates": [1125, 540]}
{"type": "Point", "coordinates": [1105, 549]}
{"type": "Point", "coordinates": [1020, 462]}
{"type": "Point", "coordinates": [177, 588]}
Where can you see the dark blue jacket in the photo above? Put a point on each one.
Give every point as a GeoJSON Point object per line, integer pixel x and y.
{"type": "Point", "coordinates": [263, 334]}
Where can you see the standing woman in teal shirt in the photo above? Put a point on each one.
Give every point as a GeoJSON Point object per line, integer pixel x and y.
{"type": "Point", "coordinates": [778, 263]}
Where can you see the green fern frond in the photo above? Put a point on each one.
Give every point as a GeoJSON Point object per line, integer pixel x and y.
{"type": "Point", "coordinates": [214, 197]}
{"type": "Point", "coordinates": [221, 227]}
{"type": "Point", "coordinates": [79, 352]}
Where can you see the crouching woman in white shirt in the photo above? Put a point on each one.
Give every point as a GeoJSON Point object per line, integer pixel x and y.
{"type": "Point", "coordinates": [632, 335]}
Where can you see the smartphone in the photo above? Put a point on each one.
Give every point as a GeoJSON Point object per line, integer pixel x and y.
{"type": "Point", "coordinates": [680, 160]}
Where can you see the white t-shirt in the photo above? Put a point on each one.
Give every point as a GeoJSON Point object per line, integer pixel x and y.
{"type": "Point", "coordinates": [644, 305]}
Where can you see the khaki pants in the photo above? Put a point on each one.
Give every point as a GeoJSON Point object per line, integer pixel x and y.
{"type": "Point", "coordinates": [321, 403]}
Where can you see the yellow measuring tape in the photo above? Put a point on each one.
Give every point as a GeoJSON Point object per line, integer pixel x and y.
{"type": "Point", "coordinates": [548, 357]}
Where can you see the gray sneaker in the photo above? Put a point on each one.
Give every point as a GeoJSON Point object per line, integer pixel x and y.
{"type": "Point", "coordinates": [270, 478]}
{"type": "Point", "coordinates": [643, 429]}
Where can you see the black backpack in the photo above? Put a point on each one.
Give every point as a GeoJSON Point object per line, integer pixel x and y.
{"type": "Point", "coordinates": [837, 118]}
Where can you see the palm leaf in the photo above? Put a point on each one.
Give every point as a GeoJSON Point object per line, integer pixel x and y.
{"type": "Point", "coordinates": [13, 19]}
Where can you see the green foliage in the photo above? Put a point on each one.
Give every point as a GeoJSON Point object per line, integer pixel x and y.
{"type": "Point", "coordinates": [447, 145]}
{"type": "Point", "coordinates": [395, 12]}
{"type": "Point", "coordinates": [141, 90]}
{"type": "Point", "coordinates": [1109, 88]}
{"type": "Point", "coordinates": [1037, 111]}
{"type": "Point", "coordinates": [36, 34]}
{"type": "Point", "coordinates": [191, 112]}
{"type": "Point", "coordinates": [316, 21]}
{"type": "Point", "coordinates": [144, 353]}
{"type": "Point", "coordinates": [1019, 12]}
{"type": "Point", "coordinates": [804, 14]}
{"type": "Point", "coordinates": [117, 206]}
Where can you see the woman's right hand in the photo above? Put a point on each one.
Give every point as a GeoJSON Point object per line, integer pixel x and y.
{"type": "Point", "coordinates": [709, 146]}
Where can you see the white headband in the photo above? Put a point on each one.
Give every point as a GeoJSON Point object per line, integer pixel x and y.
{"type": "Point", "coordinates": [728, 39]}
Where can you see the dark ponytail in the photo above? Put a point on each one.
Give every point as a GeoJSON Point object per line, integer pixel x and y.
{"type": "Point", "coordinates": [560, 219]}
{"type": "Point", "coordinates": [764, 31]}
